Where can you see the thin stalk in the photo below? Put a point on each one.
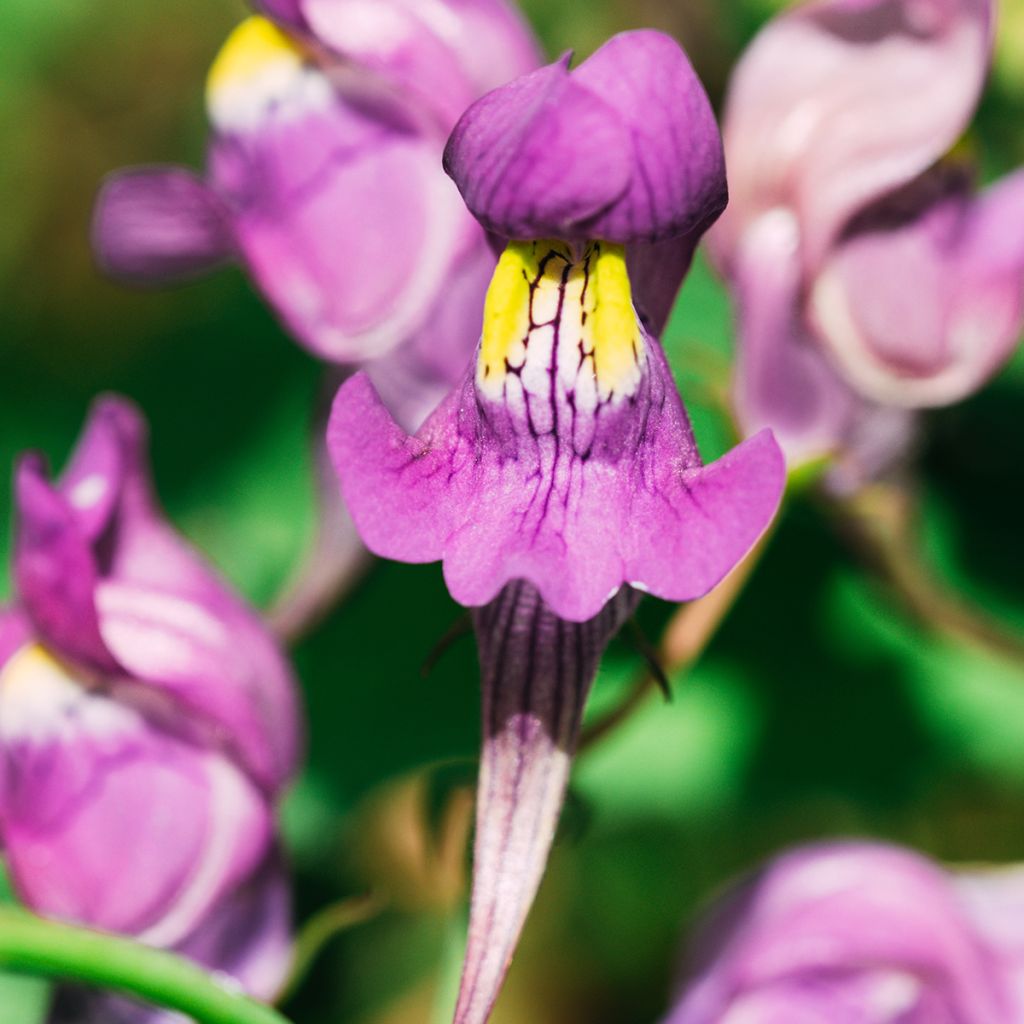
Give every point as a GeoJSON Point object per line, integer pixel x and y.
{"type": "Point", "coordinates": [320, 930]}
{"type": "Point", "coordinates": [881, 524]}
{"type": "Point", "coordinates": [34, 946]}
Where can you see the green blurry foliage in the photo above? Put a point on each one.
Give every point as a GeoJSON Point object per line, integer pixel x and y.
{"type": "Point", "coordinates": [820, 709]}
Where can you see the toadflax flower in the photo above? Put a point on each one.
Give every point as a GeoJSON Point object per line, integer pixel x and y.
{"type": "Point", "coordinates": [329, 119]}
{"type": "Point", "coordinates": [324, 180]}
{"type": "Point", "coordinates": [870, 280]}
{"type": "Point", "coordinates": [148, 722]}
{"type": "Point", "coordinates": [860, 932]}
{"type": "Point", "coordinates": [561, 477]}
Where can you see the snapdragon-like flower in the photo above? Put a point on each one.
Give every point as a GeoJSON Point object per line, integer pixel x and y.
{"type": "Point", "coordinates": [148, 722]}
{"type": "Point", "coordinates": [860, 932]}
{"type": "Point", "coordinates": [324, 181]}
{"type": "Point", "coordinates": [329, 118]}
{"type": "Point", "coordinates": [561, 477]}
{"type": "Point", "coordinates": [869, 280]}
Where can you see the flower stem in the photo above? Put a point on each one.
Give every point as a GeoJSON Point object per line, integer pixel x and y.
{"type": "Point", "coordinates": [35, 946]}
{"type": "Point", "coordinates": [881, 523]}
{"type": "Point", "coordinates": [320, 930]}
{"type": "Point", "coordinates": [685, 639]}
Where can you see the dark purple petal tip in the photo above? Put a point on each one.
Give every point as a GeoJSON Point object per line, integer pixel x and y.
{"type": "Point", "coordinates": [159, 224]}
{"type": "Point", "coordinates": [623, 148]}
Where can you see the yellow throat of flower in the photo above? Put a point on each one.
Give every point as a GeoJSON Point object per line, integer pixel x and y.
{"type": "Point", "coordinates": [585, 303]}
{"type": "Point", "coordinates": [261, 69]}
{"type": "Point", "coordinates": [251, 47]}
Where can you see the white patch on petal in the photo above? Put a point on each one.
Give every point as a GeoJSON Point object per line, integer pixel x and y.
{"type": "Point", "coordinates": [88, 492]}
{"type": "Point", "coordinates": [41, 701]}
{"type": "Point", "coordinates": [263, 72]}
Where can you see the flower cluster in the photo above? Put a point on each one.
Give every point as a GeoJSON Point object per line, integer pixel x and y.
{"type": "Point", "coordinates": [486, 252]}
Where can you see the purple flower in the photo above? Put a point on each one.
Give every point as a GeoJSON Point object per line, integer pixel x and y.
{"type": "Point", "coordinates": [324, 180]}
{"type": "Point", "coordinates": [859, 932]}
{"type": "Point", "coordinates": [324, 177]}
{"type": "Point", "coordinates": [148, 722]}
{"type": "Point", "coordinates": [561, 477]}
{"type": "Point", "coordinates": [869, 280]}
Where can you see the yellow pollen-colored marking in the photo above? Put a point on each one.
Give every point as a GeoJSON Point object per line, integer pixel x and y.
{"type": "Point", "coordinates": [595, 312]}
{"type": "Point", "coordinates": [617, 341]}
{"type": "Point", "coordinates": [507, 308]}
{"type": "Point", "coordinates": [27, 665]}
{"type": "Point", "coordinates": [248, 50]}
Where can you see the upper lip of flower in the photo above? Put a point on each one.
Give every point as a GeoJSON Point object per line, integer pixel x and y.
{"type": "Point", "coordinates": [597, 152]}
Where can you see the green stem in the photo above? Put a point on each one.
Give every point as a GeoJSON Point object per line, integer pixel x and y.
{"type": "Point", "coordinates": [32, 945]}
{"type": "Point", "coordinates": [320, 930]}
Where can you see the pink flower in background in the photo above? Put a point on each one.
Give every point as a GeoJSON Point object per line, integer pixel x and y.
{"type": "Point", "coordinates": [862, 933]}
{"type": "Point", "coordinates": [324, 180]}
{"type": "Point", "coordinates": [148, 722]}
{"type": "Point", "coordinates": [869, 280]}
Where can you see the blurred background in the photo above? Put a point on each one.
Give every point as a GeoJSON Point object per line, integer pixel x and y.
{"type": "Point", "coordinates": [820, 708]}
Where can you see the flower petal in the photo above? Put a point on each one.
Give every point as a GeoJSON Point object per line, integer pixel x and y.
{"type": "Point", "coordinates": [342, 215]}
{"type": "Point", "coordinates": [107, 819]}
{"type": "Point", "coordinates": [624, 148]}
{"type": "Point", "coordinates": [55, 570]}
{"type": "Point", "coordinates": [159, 224]}
{"type": "Point", "coordinates": [445, 54]}
{"type": "Point", "coordinates": [536, 672]}
{"type": "Point", "coordinates": [285, 12]}
{"type": "Point", "coordinates": [248, 936]}
{"type": "Point", "coordinates": [879, 927]}
{"type": "Point", "coordinates": [839, 101]}
{"type": "Point", "coordinates": [540, 157]}
{"type": "Point", "coordinates": [782, 379]}
{"type": "Point", "coordinates": [923, 300]}
{"type": "Point", "coordinates": [678, 182]}
{"type": "Point", "coordinates": [565, 458]}
{"type": "Point", "coordinates": [136, 599]}
{"type": "Point", "coordinates": [14, 633]}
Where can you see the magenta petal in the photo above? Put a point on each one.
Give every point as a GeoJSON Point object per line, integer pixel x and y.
{"type": "Point", "coordinates": [345, 223]}
{"type": "Point", "coordinates": [443, 52]}
{"type": "Point", "coordinates": [394, 485]}
{"type": "Point", "coordinates": [107, 583]}
{"type": "Point", "coordinates": [923, 300]}
{"type": "Point", "coordinates": [720, 511]}
{"type": "Point", "coordinates": [577, 517]}
{"type": "Point", "coordinates": [287, 13]}
{"type": "Point", "coordinates": [107, 819]}
{"type": "Point", "coordinates": [783, 380]}
{"type": "Point", "coordinates": [536, 673]}
{"type": "Point", "coordinates": [844, 925]}
{"type": "Point", "coordinates": [837, 102]}
{"type": "Point", "coordinates": [624, 148]}
{"type": "Point", "coordinates": [159, 224]}
{"type": "Point", "coordinates": [55, 570]}
{"type": "Point", "coordinates": [678, 181]}
{"type": "Point", "coordinates": [540, 157]}
{"type": "Point", "coordinates": [657, 270]}
{"type": "Point", "coordinates": [15, 632]}
{"type": "Point", "coordinates": [248, 936]}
